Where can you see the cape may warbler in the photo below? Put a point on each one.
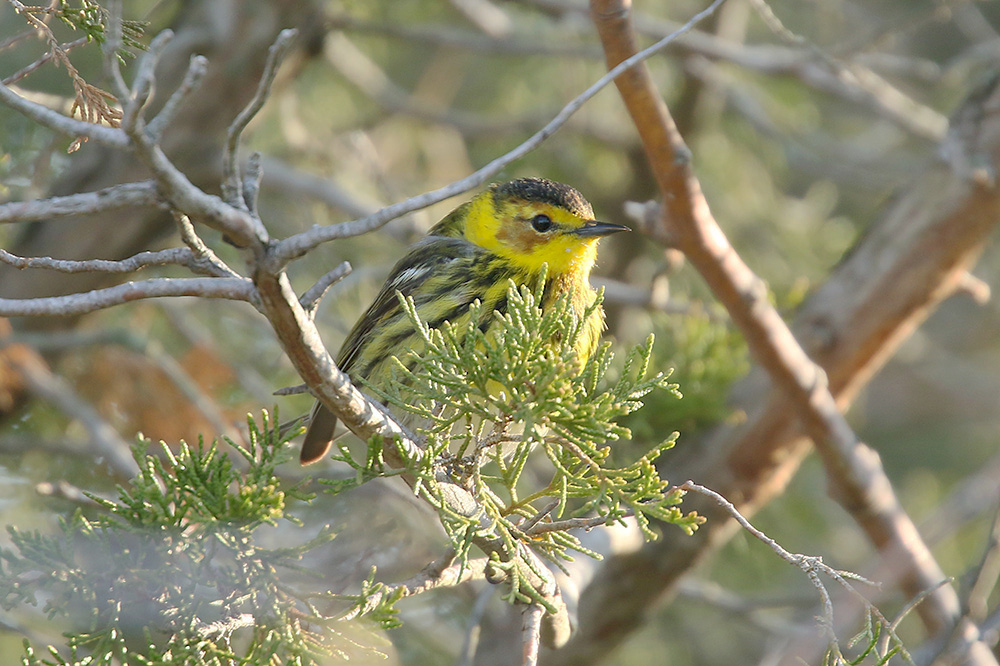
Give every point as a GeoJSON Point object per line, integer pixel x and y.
{"type": "Point", "coordinates": [509, 232]}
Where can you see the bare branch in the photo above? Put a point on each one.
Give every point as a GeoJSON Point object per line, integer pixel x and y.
{"type": "Point", "coordinates": [810, 565]}
{"type": "Point", "coordinates": [572, 524]}
{"type": "Point", "coordinates": [486, 16]}
{"type": "Point", "coordinates": [177, 256]}
{"type": "Point", "coordinates": [111, 45]}
{"type": "Point", "coordinates": [297, 245]}
{"type": "Point", "coordinates": [850, 79]}
{"type": "Point", "coordinates": [205, 260]}
{"type": "Point", "coordinates": [118, 196]}
{"type": "Point", "coordinates": [235, 289]}
{"type": "Point", "coordinates": [14, 39]}
{"type": "Point", "coordinates": [195, 332]}
{"type": "Point", "coordinates": [363, 73]}
{"type": "Point", "coordinates": [531, 626]}
{"type": "Point", "coordinates": [238, 226]}
{"type": "Point", "coordinates": [142, 84]}
{"type": "Point", "coordinates": [855, 471]}
{"type": "Point", "coordinates": [197, 69]}
{"type": "Point", "coordinates": [857, 82]}
{"type": "Point", "coordinates": [250, 184]}
{"type": "Point", "coordinates": [310, 300]}
{"type": "Point", "coordinates": [193, 393]}
{"type": "Point", "coordinates": [986, 575]}
{"type": "Point", "coordinates": [57, 122]}
{"type": "Point", "coordinates": [452, 37]}
{"type": "Point", "coordinates": [886, 286]}
{"type": "Point", "coordinates": [25, 71]}
{"type": "Point", "coordinates": [656, 297]}
{"type": "Point", "coordinates": [230, 157]}
{"type": "Point", "coordinates": [301, 342]}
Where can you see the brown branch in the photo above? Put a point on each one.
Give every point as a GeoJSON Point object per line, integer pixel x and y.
{"type": "Point", "coordinates": [755, 467]}
{"type": "Point", "coordinates": [531, 623]}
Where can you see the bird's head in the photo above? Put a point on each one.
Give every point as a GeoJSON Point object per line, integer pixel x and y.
{"type": "Point", "coordinates": [533, 221]}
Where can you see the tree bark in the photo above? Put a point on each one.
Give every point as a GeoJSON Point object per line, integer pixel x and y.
{"type": "Point", "coordinates": [894, 278]}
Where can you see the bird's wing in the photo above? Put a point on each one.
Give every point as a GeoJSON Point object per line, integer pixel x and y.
{"type": "Point", "coordinates": [428, 257]}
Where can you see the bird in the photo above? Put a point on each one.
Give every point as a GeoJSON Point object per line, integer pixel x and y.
{"type": "Point", "coordinates": [513, 231]}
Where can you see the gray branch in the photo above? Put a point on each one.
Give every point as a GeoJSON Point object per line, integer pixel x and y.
{"type": "Point", "coordinates": [297, 245]}
{"type": "Point", "coordinates": [181, 256]}
{"type": "Point", "coordinates": [196, 72]}
{"type": "Point", "coordinates": [236, 289]}
{"type": "Point", "coordinates": [119, 196]}
{"type": "Point", "coordinates": [57, 122]}
{"type": "Point", "coordinates": [230, 158]}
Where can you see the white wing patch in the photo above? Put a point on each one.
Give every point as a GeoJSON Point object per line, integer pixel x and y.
{"type": "Point", "coordinates": [412, 274]}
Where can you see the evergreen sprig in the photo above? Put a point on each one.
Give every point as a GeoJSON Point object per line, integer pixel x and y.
{"type": "Point", "coordinates": [485, 399]}
{"type": "Point", "coordinates": [176, 569]}
{"type": "Point", "coordinates": [91, 19]}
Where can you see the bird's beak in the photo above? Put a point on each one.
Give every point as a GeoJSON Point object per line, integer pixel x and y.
{"type": "Point", "coordinates": [593, 228]}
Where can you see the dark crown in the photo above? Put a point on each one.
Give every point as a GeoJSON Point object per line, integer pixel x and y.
{"type": "Point", "coordinates": [545, 191]}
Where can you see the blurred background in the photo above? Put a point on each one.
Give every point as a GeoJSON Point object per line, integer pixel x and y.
{"type": "Point", "coordinates": [383, 100]}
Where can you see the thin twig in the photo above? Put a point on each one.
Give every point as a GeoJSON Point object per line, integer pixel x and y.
{"type": "Point", "coordinates": [193, 393]}
{"type": "Point", "coordinates": [111, 45]}
{"type": "Point", "coordinates": [25, 71]}
{"type": "Point", "coordinates": [431, 578]}
{"type": "Point", "coordinates": [57, 122]}
{"type": "Point", "coordinates": [851, 79]}
{"type": "Point", "coordinates": [111, 198]}
{"type": "Point", "coordinates": [142, 84]}
{"type": "Point", "coordinates": [282, 178]}
{"type": "Point", "coordinates": [452, 37]}
{"type": "Point", "coordinates": [176, 256]}
{"type": "Point", "coordinates": [541, 513]}
{"type": "Point", "coordinates": [310, 300]}
{"type": "Point", "coordinates": [364, 74]}
{"type": "Point", "coordinates": [197, 69]}
{"type": "Point", "coordinates": [901, 615]}
{"type": "Point", "coordinates": [206, 261]}
{"type": "Point", "coordinates": [812, 566]}
{"type": "Point", "coordinates": [230, 157]}
{"type": "Point", "coordinates": [297, 245]}
{"type": "Point", "coordinates": [234, 289]}
{"type": "Point", "coordinates": [575, 523]}
{"type": "Point", "coordinates": [250, 186]}
{"type": "Point", "coordinates": [856, 474]}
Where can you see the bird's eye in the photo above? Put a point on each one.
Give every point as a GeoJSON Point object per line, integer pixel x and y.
{"type": "Point", "coordinates": [541, 223]}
